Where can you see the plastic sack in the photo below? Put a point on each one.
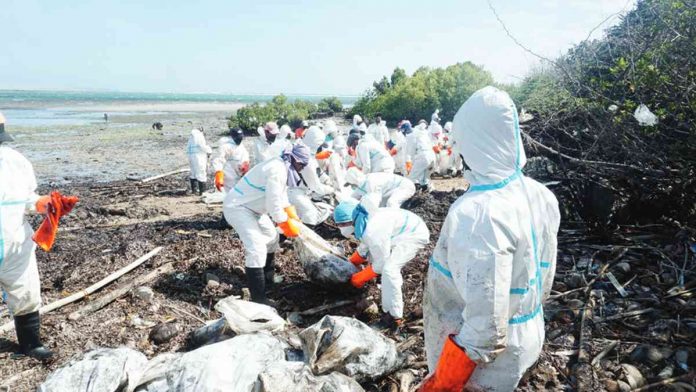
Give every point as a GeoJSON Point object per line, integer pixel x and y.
{"type": "Point", "coordinates": [231, 366]}
{"type": "Point", "coordinates": [215, 197]}
{"type": "Point", "coordinates": [212, 332]}
{"type": "Point", "coordinates": [644, 116]}
{"type": "Point", "coordinates": [349, 346]}
{"type": "Point", "coordinates": [319, 261]}
{"type": "Point", "coordinates": [248, 317]}
{"type": "Point", "coordinates": [100, 370]}
{"type": "Point", "coordinates": [297, 377]}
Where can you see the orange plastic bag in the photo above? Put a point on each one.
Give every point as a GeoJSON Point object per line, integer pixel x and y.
{"type": "Point", "coordinates": [58, 207]}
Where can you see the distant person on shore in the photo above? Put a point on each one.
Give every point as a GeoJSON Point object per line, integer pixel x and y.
{"type": "Point", "coordinates": [106, 117]}
{"type": "Point", "coordinates": [232, 161]}
{"type": "Point", "coordinates": [299, 132]}
{"type": "Point", "coordinates": [420, 157]}
{"type": "Point", "coordinates": [198, 151]}
{"type": "Point", "coordinates": [19, 274]}
{"type": "Point", "coordinates": [379, 130]}
{"type": "Point", "coordinates": [359, 125]}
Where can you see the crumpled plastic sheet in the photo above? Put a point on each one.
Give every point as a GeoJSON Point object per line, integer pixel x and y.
{"type": "Point", "coordinates": [348, 346]}
{"type": "Point", "coordinates": [100, 370]}
{"type": "Point", "coordinates": [231, 366]}
{"type": "Point", "coordinates": [644, 116]}
{"type": "Point", "coordinates": [212, 332]}
{"type": "Point", "coordinates": [298, 377]}
{"type": "Point", "coordinates": [247, 317]}
{"type": "Point", "coordinates": [318, 259]}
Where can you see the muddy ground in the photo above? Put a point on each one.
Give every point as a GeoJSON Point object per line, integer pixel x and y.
{"type": "Point", "coordinates": [117, 222]}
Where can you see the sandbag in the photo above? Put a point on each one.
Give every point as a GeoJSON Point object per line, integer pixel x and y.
{"type": "Point", "coordinates": [319, 261]}
{"type": "Point", "coordinates": [297, 377]}
{"type": "Point", "coordinates": [231, 366]}
{"type": "Point", "coordinates": [100, 370]}
{"type": "Point", "coordinates": [248, 317]}
{"type": "Point", "coordinates": [348, 346]}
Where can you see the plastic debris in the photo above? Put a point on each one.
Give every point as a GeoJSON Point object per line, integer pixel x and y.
{"type": "Point", "coordinates": [319, 260]}
{"type": "Point", "coordinates": [248, 317]}
{"type": "Point", "coordinates": [644, 116]}
{"type": "Point", "coordinates": [297, 377]}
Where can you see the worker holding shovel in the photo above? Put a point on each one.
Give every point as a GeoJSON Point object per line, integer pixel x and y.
{"type": "Point", "coordinates": [19, 274]}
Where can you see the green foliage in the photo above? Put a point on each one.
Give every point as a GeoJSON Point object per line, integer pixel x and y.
{"type": "Point", "coordinates": [279, 109]}
{"type": "Point", "coordinates": [418, 96]}
{"type": "Point", "coordinates": [330, 104]}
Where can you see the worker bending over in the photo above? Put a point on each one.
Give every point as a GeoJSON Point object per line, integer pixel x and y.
{"type": "Point", "coordinates": [380, 189]}
{"type": "Point", "coordinates": [254, 203]}
{"type": "Point", "coordinates": [494, 261]}
{"type": "Point", "coordinates": [389, 238]}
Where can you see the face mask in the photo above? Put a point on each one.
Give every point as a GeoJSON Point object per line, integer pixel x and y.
{"type": "Point", "coordinates": [270, 137]}
{"type": "Point", "coordinates": [347, 231]}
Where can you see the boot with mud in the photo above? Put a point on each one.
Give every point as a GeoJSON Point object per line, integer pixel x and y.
{"type": "Point", "coordinates": [194, 185]}
{"type": "Point", "coordinates": [256, 281]}
{"type": "Point", "coordinates": [201, 187]}
{"type": "Point", "coordinates": [388, 322]}
{"type": "Point", "coordinates": [269, 271]}
{"type": "Point", "coordinates": [28, 327]}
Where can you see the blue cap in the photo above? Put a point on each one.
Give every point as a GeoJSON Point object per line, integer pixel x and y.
{"type": "Point", "coordinates": [344, 211]}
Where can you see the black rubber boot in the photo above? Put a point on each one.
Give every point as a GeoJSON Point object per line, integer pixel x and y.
{"type": "Point", "coordinates": [194, 185]}
{"type": "Point", "coordinates": [257, 285]}
{"type": "Point", "coordinates": [201, 187]}
{"type": "Point", "coordinates": [269, 270]}
{"type": "Point", "coordinates": [28, 327]}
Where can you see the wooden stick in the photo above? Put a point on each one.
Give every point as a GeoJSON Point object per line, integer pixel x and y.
{"type": "Point", "coordinates": [120, 292]}
{"type": "Point", "coordinates": [182, 170]}
{"type": "Point", "coordinates": [326, 307]}
{"type": "Point", "coordinates": [89, 290]}
{"type": "Point", "coordinates": [668, 381]}
{"type": "Point", "coordinates": [607, 350]}
{"type": "Point", "coordinates": [583, 367]}
{"type": "Point", "coordinates": [623, 315]}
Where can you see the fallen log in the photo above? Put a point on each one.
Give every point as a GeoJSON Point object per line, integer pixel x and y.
{"type": "Point", "coordinates": [120, 292]}
{"type": "Point", "coordinates": [89, 290]}
{"type": "Point", "coordinates": [157, 177]}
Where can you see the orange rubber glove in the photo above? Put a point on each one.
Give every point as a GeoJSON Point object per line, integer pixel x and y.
{"type": "Point", "coordinates": [244, 167]}
{"type": "Point", "coordinates": [57, 207]}
{"type": "Point", "coordinates": [393, 151]}
{"type": "Point", "coordinates": [409, 166]}
{"type": "Point", "coordinates": [356, 259]}
{"type": "Point", "coordinates": [437, 148]}
{"type": "Point", "coordinates": [359, 279]}
{"type": "Point", "coordinates": [290, 228]}
{"type": "Point", "coordinates": [42, 204]}
{"type": "Point", "coordinates": [449, 151]}
{"type": "Point", "coordinates": [324, 154]}
{"type": "Point", "coordinates": [292, 212]}
{"type": "Point", "coordinates": [219, 180]}
{"type": "Point", "coordinates": [454, 369]}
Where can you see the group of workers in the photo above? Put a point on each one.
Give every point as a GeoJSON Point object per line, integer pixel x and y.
{"type": "Point", "coordinates": [488, 275]}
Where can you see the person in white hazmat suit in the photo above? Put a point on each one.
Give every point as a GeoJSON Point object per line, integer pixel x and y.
{"type": "Point", "coordinates": [389, 238]}
{"type": "Point", "coordinates": [269, 143]}
{"type": "Point", "coordinates": [232, 161]}
{"type": "Point", "coordinates": [420, 157]}
{"type": "Point", "coordinates": [494, 261]}
{"type": "Point", "coordinates": [379, 130]}
{"type": "Point", "coordinates": [198, 151]}
{"type": "Point", "coordinates": [380, 189]}
{"type": "Point", "coordinates": [331, 159]}
{"type": "Point", "coordinates": [371, 156]}
{"type": "Point", "coordinates": [254, 203]}
{"type": "Point", "coordinates": [397, 142]}
{"type": "Point", "coordinates": [19, 274]}
{"type": "Point", "coordinates": [310, 185]}
{"type": "Point", "coordinates": [436, 138]}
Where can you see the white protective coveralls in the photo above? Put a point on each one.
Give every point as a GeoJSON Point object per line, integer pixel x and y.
{"type": "Point", "coordinates": [264, 151]}
{"type": "Point", "coordinates": [19, 275]}
{"type": "Point", "coordinates": [380, 189]}
{"type": "Point", "coordinates": [496, 256]}
{"type": "Point", "coordinates": [397, 137]}
{"type": "Point", "coordinates": [372, 156]}
{"type": "Point", "coordinates": [197, 151]}
{"type": "Point", "coordinates": [310, 212]}
{"type": "Point", "coordinates": [391, 239]}
{"type": "Point", "coordinates": [379, 132]}
{"type": "Point", "coordinates": [230, 159]}
{"type": "Point", "coordinates": [261, 193]}
{"type": "Point", "coordinates": [419, 151]}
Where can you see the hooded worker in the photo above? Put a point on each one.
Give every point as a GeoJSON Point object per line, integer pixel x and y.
{"type": "Point", "coordinates": [378, 130]}
{"type": "Point", "coordinates": [494, 261]}
{"type": "Point", "coordinates": [380, 189]}
{"type": "Point", "coordinates": [198, 151]}
{"type": "Point", "coordinates": [310, 184]}
{"type": "Point", "coordinates": [232, 161]}
{"type": "Point", "coordinates": [389, 238]}
{"type": "Point", "coordinates": [269, 144]}
{"type": "Point", "coordinates": [19, 274]}
{"type": "Point", "coordinates": [372, 156]}
{"type": "Point", "coordinates": [254, 203]}
{"type": "Point", "coordinates": [420, 156]}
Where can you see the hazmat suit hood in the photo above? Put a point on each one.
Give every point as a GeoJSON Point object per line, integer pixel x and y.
{"type": "Point", "coordinates": [314, 138]}
{"type": "Point", "coordinates": [486, 132]}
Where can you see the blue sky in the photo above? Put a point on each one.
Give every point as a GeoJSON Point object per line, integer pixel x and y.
{"type": "Point", "coordinates": [309, 46]}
